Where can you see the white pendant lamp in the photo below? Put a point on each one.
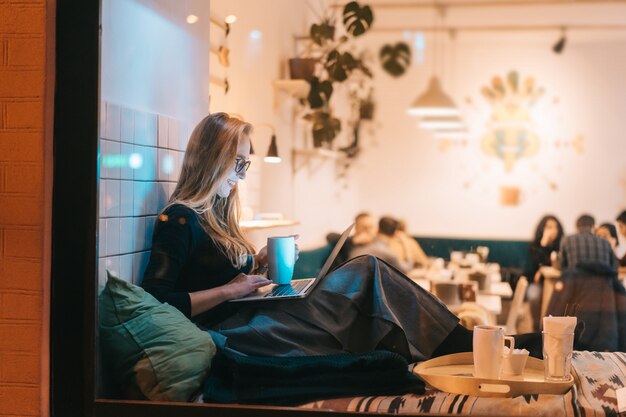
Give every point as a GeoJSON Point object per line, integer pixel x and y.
{"type": "Point", "coordinates": [441, 122]}
{"type": "Point", "coordinates": [433, 102]}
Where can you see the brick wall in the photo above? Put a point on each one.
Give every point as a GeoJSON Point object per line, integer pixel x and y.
{"type": "Point", "coordinates": [23, 207]}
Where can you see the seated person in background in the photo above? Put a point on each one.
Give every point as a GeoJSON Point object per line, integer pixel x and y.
{"type": "Point", "coordinates": [381, 246]}
{"type": "Point", "coordinates": [608, 232]}
{"type": "Point", "coordinates": [365, 231]}
{"type": "Point", "coordinates": [548, 235]}
{"type": "Point", "coordinates": [406, 248]}
{"type": "Point", "coordinates": [621, 225]}
{"type": "Point", "coordinates": [200, 259]}
{"type": "Point", "coordinates": [586, 250]}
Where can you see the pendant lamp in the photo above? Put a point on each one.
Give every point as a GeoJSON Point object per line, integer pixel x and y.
{"type": "Point", "coordinates": [441, 122]}
{"type": "Point", "coordinates": [272, 153]}
{"type": "Point", "coordinates": [433, 102]}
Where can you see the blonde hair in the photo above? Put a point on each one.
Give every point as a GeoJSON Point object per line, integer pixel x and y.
{"type": "Point", "coordinates": [209, 158]}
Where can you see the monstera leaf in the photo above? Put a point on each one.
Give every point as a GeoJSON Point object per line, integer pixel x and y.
{"type": "Point", "coordinates": [340, 65]}
{"type": "Point", "coordinates": [357, 19]}
{"type": "Point", "coordinates": [322, 33]}
{"type": "Point", "coordinates": [319, 92]}
{"type": "Point", "coordinates": [325, 127]}
{"type": "Point", "coordinates": [396, 58]}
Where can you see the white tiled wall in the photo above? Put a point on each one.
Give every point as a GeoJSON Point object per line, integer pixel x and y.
{"type": "Point", "coordinates": [140, 158]}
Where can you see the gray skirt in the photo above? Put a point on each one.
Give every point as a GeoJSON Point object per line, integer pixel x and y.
{"type": "Point", "coordinates": [363, 305]}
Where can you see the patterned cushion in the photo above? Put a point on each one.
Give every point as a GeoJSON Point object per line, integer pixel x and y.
{"type": "Point", "coordinates": [597, 376]}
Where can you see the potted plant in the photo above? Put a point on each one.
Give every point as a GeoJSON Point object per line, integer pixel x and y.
{"type": "Point", "coordinates": [337, 65]}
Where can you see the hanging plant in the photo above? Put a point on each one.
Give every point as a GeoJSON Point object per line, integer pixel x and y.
{"type": "Point", "coordinates": [325, 127]}
{"type": "Point", "coordinates": [395, 58]}
{"type": "Point", "coordinates": [357, 19]}
{"type": "Point", "coordinates": [319, 93]}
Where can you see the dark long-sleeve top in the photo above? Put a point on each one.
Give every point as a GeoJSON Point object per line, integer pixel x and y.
{"type": "Point", "coordinates": [184, 259]}
{"type": "Point", "coordinates": [538, 256]}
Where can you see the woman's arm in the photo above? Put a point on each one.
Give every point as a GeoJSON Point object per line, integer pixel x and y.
{"type": "Point", "coordinates": [240, 286]}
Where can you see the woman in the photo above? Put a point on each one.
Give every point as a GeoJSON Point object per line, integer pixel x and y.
{"type": "Point", "coordinates": [608, 232]}
{"type": "Point", "coordinates": [548, 235]}
{"type": "Point", "coordinates": [200, 259]}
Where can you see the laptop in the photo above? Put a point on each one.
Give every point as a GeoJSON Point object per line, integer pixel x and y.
{"type": "Point", "coordinates": [297, 288]}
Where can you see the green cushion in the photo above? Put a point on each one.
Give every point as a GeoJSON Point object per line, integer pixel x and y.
{"type": "Point", "coordinates": [151, 346]}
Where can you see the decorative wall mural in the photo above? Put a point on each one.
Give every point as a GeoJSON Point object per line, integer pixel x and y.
{"type": "Point", "coordinates": [511, 136]}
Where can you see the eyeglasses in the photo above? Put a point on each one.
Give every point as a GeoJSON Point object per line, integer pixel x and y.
{"type": "Point", "coordinates": [241, 165]}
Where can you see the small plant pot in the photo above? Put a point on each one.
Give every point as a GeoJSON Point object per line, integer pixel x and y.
{"type": "Point", "coordinates": [302, 68]}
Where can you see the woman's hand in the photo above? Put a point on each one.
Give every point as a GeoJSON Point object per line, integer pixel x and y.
{"type": "Point", "coordinates": [261, 260]}
{"type": "Point", "coordinates": [243, 285]}
{"type": "Point", "coordinates": [548, 237]}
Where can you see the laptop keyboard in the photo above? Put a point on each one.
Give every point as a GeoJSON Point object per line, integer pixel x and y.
{"type": "Point", "coordinates": [294, 288]}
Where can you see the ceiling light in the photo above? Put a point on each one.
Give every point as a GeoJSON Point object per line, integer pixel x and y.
{"type": "Point", "coordinates": [433, 102]}
{"type": "Point", "coordinates": [560, 44]}
{"type": "Point", "coordinates": [192, 18]}
{"type": "Point", "coordinates": [230, 19]}
{"type": "Point", "coordinates": [441, 122]}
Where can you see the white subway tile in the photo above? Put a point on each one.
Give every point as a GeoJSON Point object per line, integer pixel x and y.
{"type": "Point", "coordinates": [139, 232]}
{"type": "Point", "coordinates": [127, 125]}
{"type": "Point", "coordinates": [112, 263]}
{"type": "Point", "coordinates": [127, 191]}
{"type": "Point", "coordinates": [153, 199]}
{"type": "Point", "coordinates": [162, 195]}
{"type": "Point", "coordinates": [165, 165]}
{"type": "Point", "coordinates": [185, 131]}
{"type": "Point", "coordinates": [112, 198]}
{"type": "Point", "coordinates": [102, 274]}
{"type": "Point", "coordinates": [102, 119]}
{"type": "Point", "coordinates": [171, 187]}
{"type": "Point", "coordinates": [163, 128]}
{"type": "Point", "coordinates": [140, 198]}
{"type": "Point", "coordinates": [126, 267]}
{"type": "Point", "coordinates": [102, 235]}
{"type": "Point", "coordinates": [113, 236]}
{"type": "Point", "coordinates": [102, 198]}
{"type": "Point", "coordinates": [178, 161]}
{"type": "Point", "coordinates": [140, 261]}
{"type": "Point", "coordinates": [173, 137]}
{"type": "Point", "coordinates": [110, 159]}
{"type": "Point", "coordinates": [150, 230]}
{"type": "Point", "coordinates": [126, 172]}
{"type": "Point", "coordinates": [127, 235]}
{"type": "Point", "coordinates": [112, 127]}
{"type": "Point", "coordinates": [145, 129]}
{"type": "Point", "coordinates": [147, 171]}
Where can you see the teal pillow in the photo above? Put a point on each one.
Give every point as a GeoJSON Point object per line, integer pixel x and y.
{"type": "Point", "coordinates": [151, 345]}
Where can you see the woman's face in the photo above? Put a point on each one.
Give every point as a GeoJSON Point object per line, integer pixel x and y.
{"type": "Point", "coordinates": [551, 228]}
{"type": "Point", "coordinates": [604, 233]}
{"type": "Point", "coordinates": [243, 155]}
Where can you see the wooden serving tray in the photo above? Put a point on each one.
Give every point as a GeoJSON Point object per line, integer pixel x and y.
{"type": "Point", "coordinates": [455, 374]}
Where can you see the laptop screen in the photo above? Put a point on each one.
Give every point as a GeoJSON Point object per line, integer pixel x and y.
{"type": "Point", "coordinates": [335, 251]}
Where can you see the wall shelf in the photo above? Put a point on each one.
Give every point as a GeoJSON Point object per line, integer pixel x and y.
{"type": "Point", "coordinates": [293, 88]}
{"type": "Point", "coordinates": [266, 224]}
{"type": "Point", "coordinates": [304, 156]}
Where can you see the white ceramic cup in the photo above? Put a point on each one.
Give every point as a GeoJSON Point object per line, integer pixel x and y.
{"type": "Point", "coordinates": [281, 257]}
{"type": "Point", "coordinates": [488, 350]}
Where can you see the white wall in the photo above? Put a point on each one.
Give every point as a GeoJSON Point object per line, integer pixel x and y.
{"type": "Point", "coordinates": [403, 171]}
{"type": "Point", "coordinates": [152, 60]}
{"type": "Point", "coordinates": [456, 192]}
{"type": "Point", "coordinates": [313, 196]}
